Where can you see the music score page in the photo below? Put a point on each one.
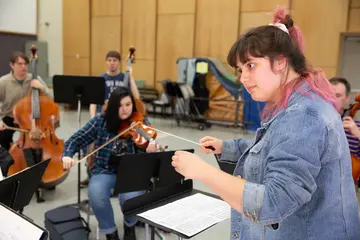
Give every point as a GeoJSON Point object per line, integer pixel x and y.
{"type": "Point", "coordinates": [190, 215]}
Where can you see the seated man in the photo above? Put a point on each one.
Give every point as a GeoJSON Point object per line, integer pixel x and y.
{"type": "Point", "coordinates": [342, 90]}
{"type": "Point", "coordinates": [13, 87]}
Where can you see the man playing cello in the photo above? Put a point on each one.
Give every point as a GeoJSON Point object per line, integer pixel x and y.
{"type": "Point", "coordinates": [13, 87]}
{"type": "Point", "coordinates": [113, 79]}
{"type": "Point", "coordinates": [342, 90]}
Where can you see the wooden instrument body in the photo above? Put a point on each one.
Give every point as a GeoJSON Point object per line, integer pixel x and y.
{"type": "Point", "coordinates": [355, 161]}
{"type": "Point", "coordinates": [38, 114]}
{"type": "Point", "coordinates": [140, 107]}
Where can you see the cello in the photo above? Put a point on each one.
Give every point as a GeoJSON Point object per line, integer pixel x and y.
{"type": "Point", "coordinates": [355, 161]}
{"type": "Point", "coordinates": [37, 116]}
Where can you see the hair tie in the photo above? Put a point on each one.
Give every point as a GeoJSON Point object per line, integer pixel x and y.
{"type": "Point", "coordinates": [281, 26]}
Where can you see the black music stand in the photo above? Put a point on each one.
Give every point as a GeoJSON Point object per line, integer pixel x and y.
{"type": "Point", "coordinates": [224, 166]}
{"type": "Point", "coordinates": [17, 190]}
{"type": "Point", "coordinates": [81, 90]}
{"type": "Point", "coordinates": [145, 171]}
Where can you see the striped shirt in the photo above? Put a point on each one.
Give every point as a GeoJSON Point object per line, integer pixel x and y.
{"type": "Point", "coordinates": [354, 143]}
{"type": "Point", "coordinates": [95, 130]}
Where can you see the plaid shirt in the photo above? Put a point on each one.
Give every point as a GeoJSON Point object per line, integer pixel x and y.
{"type": "Point", "coordinates": [95, 130]}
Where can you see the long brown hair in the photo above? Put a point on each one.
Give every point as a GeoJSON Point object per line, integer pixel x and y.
{"type": "Point", "coordinates": [112, 111]}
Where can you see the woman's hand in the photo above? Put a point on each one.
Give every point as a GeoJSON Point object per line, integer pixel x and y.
{"type": "Point", "coordinates": [153, 147]}
{"type": "Point", "coordinates": [189, 165]}
{"type": "Point", "coordinates": [207, 141]}
{"type": "Point", "coordinates": [2, 126]}
{"type": "Point", "coordinates": [68, 162]}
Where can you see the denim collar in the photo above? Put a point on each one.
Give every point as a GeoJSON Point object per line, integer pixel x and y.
{"type": "Point", "coordinates": [304, 87]}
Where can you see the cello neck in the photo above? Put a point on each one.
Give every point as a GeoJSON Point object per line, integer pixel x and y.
{"type": "Point", "coordinates": [127, 75]}
{"type": "Point", "coordinates": [35, 103]}
{"type": "Point", "coordinates": [130, 61]}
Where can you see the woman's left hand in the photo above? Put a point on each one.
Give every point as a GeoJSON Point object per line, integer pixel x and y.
{"type": "Point", "coordinates": [152, 147]}
{"type": "Point", "coordinates": [189, 165]}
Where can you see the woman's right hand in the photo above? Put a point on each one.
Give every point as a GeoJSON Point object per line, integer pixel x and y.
{"type": "Point", "coordinates": [207, 141]}
{"type": "Point", "coordinates": [68, 162]}
{"type": "Point", "coordinates": [2, 126]}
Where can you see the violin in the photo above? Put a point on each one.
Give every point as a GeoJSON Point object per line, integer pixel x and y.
{"type": "Point", "coordinates": [37, 116]}
{"type": "Point", "coordinates": [142, 135]}
{"type": "Point", "coordinates": [134, 127]}
{"type": "Point", "coordinates": [355, 161]}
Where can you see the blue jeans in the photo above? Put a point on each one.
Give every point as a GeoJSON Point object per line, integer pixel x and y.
{"type": "Point", "coordinates": [99, 191]}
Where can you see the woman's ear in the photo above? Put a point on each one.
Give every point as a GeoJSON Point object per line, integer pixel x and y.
{"type": "Point", "coordinates": [280, 64]}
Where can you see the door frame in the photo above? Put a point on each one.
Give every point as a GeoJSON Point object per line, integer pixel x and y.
{"type": "Point", "coordinates": [343, 37]}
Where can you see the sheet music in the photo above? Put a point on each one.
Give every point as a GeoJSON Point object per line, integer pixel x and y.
{"type": "Point", "coordinates": [1, 175]}
{"type": "Point", "coordinates": [14, 227]}
{"type": "Point", "coordinates": [190, 215]}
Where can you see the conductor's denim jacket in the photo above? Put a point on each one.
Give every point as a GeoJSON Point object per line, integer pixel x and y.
{"type": "Point", "coordinates": [298, 172]}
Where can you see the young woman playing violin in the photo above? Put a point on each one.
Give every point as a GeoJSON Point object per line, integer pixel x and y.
{"type": "Point", "coordinates": [100, 129]}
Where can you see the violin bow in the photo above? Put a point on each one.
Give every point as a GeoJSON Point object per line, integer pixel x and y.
{"type": "Point", "coordinates": [15, 129]}
{"type": "Point", "coordinates": [184, 139]}
{"type": "Point", "coordinates": [111, 140]}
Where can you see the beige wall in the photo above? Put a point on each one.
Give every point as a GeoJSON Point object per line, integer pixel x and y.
{"type": "Point", "coordinates": [164, 30]}
{"type": "Point", "coordinates": [76, 37]}
{"type": "Point", "coordinates": [354, 16]}
{"type": "Point", "coordinates": [51, 12]}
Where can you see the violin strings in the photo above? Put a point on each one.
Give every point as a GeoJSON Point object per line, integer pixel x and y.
{"type": "Point", "coordinates": [187, 140]}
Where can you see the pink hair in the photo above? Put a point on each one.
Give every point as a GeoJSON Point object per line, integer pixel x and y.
{"type": "Point", "coordinates": [294, 32]}
{"type": "Point", "coordinates": [314, 77]}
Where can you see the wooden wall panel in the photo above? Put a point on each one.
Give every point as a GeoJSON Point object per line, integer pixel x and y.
{"type": "Point", "coordinates": [143, 70]}
{"type": "Point", "coordinates": [176, 6]}
{"type": "Point", "coordinates": [216, 27]}
{"type": "Point", "coordinates": [105, 35]}
{"type": "Point", "coordinates": [261, 5]}
{"type": "Point", "coordinates": [253, 19]}
{"type": "Point", "coordinates": [105, 8]}
{"type": "Point", "coordinates": [76, 28]}
{"type": "Point", "coordinates": [354, 20]}
{"type": "Point", "coordinates": [164, 30]}
{"type": "Point", "coordinates": [321, 38]}
{"type": "Point", "coordinates": [170, 47]}
{"type": "Point", "coordinates": [76, 66]}
{"type": "Point", "coordinates": [355, 3]}
{"type": "Point", "coordinates": [255, 13]}
{"type": "Point", "coordinates": [139, 28]}
{"type": "Point", "coordinates": [330, 72]}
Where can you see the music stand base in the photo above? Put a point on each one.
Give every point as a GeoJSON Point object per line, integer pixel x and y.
{"type": "Point", "coordinates": [69, 89]}
{"type": "Point", "coordinates": [83, 206]}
